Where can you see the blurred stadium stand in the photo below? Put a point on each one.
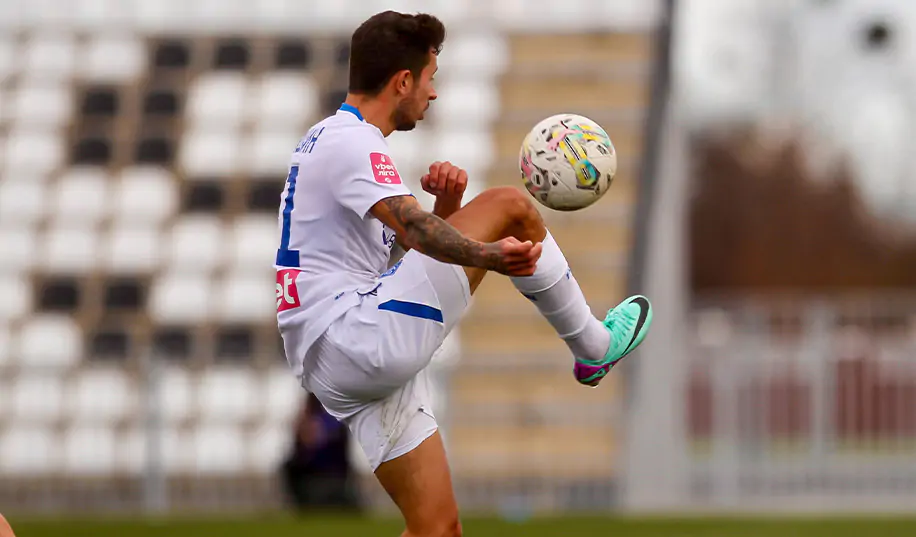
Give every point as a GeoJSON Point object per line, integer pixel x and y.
{"type": "Point", "coordinates": [143, 147]}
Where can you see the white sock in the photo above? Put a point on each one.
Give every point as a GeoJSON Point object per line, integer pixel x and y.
{"type": "Point", "coordinates": [556, 294]}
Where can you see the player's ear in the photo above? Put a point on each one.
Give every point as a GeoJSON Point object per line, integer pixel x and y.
{"type": "Point", "coordinates": [403, 81]}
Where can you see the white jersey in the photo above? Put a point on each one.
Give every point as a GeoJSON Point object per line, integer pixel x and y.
{"type": "Point", "coordinates": [331, 248]}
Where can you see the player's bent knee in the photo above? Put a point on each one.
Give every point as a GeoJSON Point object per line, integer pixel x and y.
{"type": "Point", "coordinates": [515, 204]}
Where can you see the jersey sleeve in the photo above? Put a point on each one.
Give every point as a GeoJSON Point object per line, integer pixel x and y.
{"type": "Point", "coordinates": [370, 176]}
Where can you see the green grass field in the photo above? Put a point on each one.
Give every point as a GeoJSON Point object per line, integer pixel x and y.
{"type": "Point", "coordinates": [552, 527]}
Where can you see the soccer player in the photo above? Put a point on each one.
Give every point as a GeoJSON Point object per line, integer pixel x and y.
{"type": "Point", "coordinates": [360, 318]}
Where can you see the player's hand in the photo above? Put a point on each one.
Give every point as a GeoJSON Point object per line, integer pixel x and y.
{"type": "Point", "coordinates": [445, 180]}
{"type": "Point", "coordinates": [513, 257]}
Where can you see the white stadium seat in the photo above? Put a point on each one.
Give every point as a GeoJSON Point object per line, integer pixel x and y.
{"type": "Point", "coordinates": [131, 249]}
{"type": "Point", "coordinates": [218, 450]}
{"type": "Point", "coordinates": [176, 448]}
{"type": "Point", "coordinates": [52, 340]}
{"type": "Point", "coordinates": [466, 103]}
{"type": "Point", "coordinates": [88, 450]}
{"type": "Point", "coordinates": [17, 249]}
{"type": "Point", "coordinates": [37, 397]}
{"type": "Point", "coordinates": [70, 249]}
{"type": "Point", "coordinates": [28, 450]}
{"type": "Point", "coordinates": [9, 58]}
{"type": "Point", "coordinates": [227, 395]}
{"type": "Point", "coordinates": [22, 202]}
{"type": "Point", "coordinates": [32, 152]}
{"type": "Point", "coordinates": [176, 395]}
{"type": "Point", "coordinates": [41, 103]}
{"type": "Point", "coordinates": [114, 59]}
{"type": "Point", "coordinates": [209, 154]}
{"type": "Point", "coordinates": [267, 447]}
{"type": "Point", "coordinates": [216, 102]}
{"type": "Point", "coordinates": [181, 298]}
{"type": "Point", "coordinates": [101, 396]}
{"type": "Point", "coordinates": [283, 396]}
{"type": "Point", "coordinates": [49, 56]}
{"type": "Point", "coordinates": [476, 55]}
{"type": "Point", "coordinates": [196, 244]}
{"type": "Point", "coordinates": [472, 149]}
{"type": "Point", "coordinates": [6, 356]}
{"type": "Point", "coordinates": [269, 152]}
{"type": "Point", "coordinates": [131, 451]}
{"type": "Point", "coordinates": [247, 298]}
{"type": "Point", "coordinates": [145, 195]}
{"type": "Point", "coordinates": [253, 244]}
{"type": "Point", "coordinates": [16, 298]}
{"type": "Point", "coordinates": [284, 99]}
{"type": "Point", "coordinates": [82, 196]}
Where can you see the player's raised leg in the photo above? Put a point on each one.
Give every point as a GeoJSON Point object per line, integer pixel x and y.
{"type": "Point", "coordinates": [508, 212]}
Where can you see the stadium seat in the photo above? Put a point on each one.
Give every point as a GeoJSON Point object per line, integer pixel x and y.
{"type": "Point", "coordinates": [466, 103]}
{"type": "Point", "coordinates": [282, 396]}
{"type": "Point", "coordinates": [176, 395]}
{"type": "Point", "coordinates": [475, 55]}
{"type": "Point", "coordinates": [22, 203]}
{"type": "Point", "coordinates": [210, 154]}
{"type": "Point", "coordinates": [113, 59]}
{"type": "Point", "coordinates": [70, 249]}
{"type": "Point", "coordinates": [52, 340]}
{"type": "Point", "coordinates": [269, 151]}
{"type": "Point", "coordinates": [176, 448]}
{"type": "Point", "coordinates": [9, 59]}
{"type": "Point", "coordinates": [217, 102]}
{"type": "Point", "coordinates": [246, 298]}
{"type": "Point", "coordinates": [132, 250]}
{"type": "Point", "coordinates": [131, 450]}
{"type": "Point", "coordinates": [16, 297]}
{"type": "Point", "coordinates": [471, 149]}
{"type": "Point", "coordinates": [42, 104]}
{"type": "Point", "coordinates": [267, 447]}
{"type": "Point", "coordinates": [145, 195]}
{"type": "Point", "coordinates": [195, 244]}
{"type": "Point", "coordinates": [227, 395]}
{"type": "Point", "coordinates": [37, 397]}
{"type": "Point", "coordinates": [28, 450]}
{"type": "Point", "coordinates": [51, 56]}
{"type": "Point", "coordinates": [253, 243]}
{"type": "Point", "coordinates": [32, 153]}
{"type": "Point", "coordinates": [82, 196]}
{"type": "Point", "coordinates": [218, 450]}
{"type": "Point", "coordinates": [284, 100]}
{"type": "Point", "coordinates": [101, 396]}
{"type": "Point", "coordinates": [6, 356]}
{"type": "Point", "coordinates": [17, 250]}
{"type": "Point", "coordinates": [180, 298]}
{"type": "Point", "coordinates": [88, 450]}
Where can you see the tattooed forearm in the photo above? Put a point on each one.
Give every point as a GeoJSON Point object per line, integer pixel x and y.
{"type": "Point", "coordinates": [437, 238]}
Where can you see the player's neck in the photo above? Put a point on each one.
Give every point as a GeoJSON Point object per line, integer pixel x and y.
{"type": "Point", "coordinates": [374, 111]}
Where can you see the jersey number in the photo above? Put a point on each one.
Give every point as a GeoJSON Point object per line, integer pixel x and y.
{"type": "Point", "coordinates": [285, 256]}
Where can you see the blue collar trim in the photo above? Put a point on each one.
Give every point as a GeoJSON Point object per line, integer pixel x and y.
{"type": "Point", "coordinates": [353, 110]}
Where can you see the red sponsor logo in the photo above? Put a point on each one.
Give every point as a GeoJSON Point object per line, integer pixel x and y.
{"type": "Point", "coordinates": [383, 169]}
{"type": "Point", "coordinates": [287, 292]}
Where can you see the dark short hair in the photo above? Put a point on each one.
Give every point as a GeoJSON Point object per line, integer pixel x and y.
{"type": "Point", "coordinates": [388, 43]}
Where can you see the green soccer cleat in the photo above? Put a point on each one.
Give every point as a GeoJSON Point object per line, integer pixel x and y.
{"type": "Point", "coordinates": [628, 324]}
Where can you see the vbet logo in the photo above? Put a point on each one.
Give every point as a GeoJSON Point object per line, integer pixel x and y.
{"type": "Point", "coordinates": [287, 292]}
{"type": "Point", "coordinates": [383, 169]}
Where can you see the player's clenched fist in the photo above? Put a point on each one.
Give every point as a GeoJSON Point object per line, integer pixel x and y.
{"type": "Point", "coordinates": [513, 257]}
{"type": "Point", "coordinates": [445, 179]}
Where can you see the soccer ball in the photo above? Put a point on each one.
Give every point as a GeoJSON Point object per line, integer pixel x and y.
{"type": "Point", "coordinates": [567, 162]}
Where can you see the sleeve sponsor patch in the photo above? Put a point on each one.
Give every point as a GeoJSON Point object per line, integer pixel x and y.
{"type": "Point", "coordinates": [383, 169]}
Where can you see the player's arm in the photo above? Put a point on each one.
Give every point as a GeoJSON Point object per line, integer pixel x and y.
{"type": "Point", "coordinates": [433, 236]}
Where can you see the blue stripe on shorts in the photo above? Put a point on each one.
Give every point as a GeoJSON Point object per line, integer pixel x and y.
{"type": "Point", "coordinates": [413, 309]}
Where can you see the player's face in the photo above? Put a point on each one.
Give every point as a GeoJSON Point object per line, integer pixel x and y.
{"type": "Point", "coordinates": [413, 106]}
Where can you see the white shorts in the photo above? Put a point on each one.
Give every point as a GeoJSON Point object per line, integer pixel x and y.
{"type": "Point", "coordinates": [369, 368]}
